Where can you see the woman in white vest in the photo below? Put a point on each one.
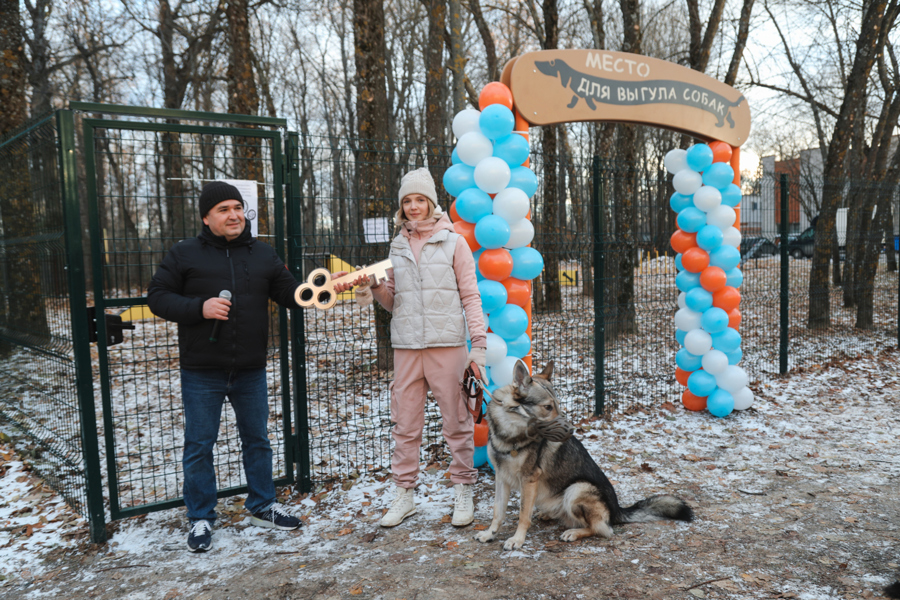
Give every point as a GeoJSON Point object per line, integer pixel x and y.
{"type": "Point", "coordinates": [431, 285]}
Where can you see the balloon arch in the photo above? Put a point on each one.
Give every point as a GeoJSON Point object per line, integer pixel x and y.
{"type": "Point", "coordinates": [492, 184]}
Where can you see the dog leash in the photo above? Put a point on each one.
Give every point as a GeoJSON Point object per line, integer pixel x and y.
{"type": "Point", "coordinates": [474, 389]}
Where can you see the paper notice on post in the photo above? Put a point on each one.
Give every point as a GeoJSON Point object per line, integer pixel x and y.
{"type": "Point", "coordinates": [248, 190]}
{"type": "Point", "coordinates": [377, 230]}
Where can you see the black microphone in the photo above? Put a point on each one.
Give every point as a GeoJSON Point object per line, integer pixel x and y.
{"type": "Point", "coordinates": [225, 295]}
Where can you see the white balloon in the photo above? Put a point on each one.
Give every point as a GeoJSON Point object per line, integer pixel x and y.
{"type": "Point", "coordinates": [743, 398]}
{"type": "Point", "coordinates": [473, 147]}
{"type": "Point", "coordinates": [502, 372]}
{"type": "Point", "coordinates": [714, 362]}
{"type": "Point", "coordinates": [496, 349]}
{"type": "Point", "coordinates": [466, 121]}
{"type": "Point", "coordinates": [722, 216]}
{"type": "Point", "coordinates": [492, 174]}
{"type": "Point", "coordinates": [732, 379]}
{"type": "Point", "coordinates": [687, 319]}
{"type": "Point", "coordinates": [732, 237]}
{"type": "Point", "coordinates": [707, 198]}
{"type": "Point", "coordinates": [520, 234]}
{"type": "Point", "coordinates": [687, 182]}
{"type": "Point", "coordinates": [487, 321]}
{"type": "Point", "coordinates": [682, 302]}
{"type": "Point", "coordinates": [676, 160]}
{"type": "Point", "coordinates": [698, 342]}
{"type": "Point", "coordinates": [511, 204]}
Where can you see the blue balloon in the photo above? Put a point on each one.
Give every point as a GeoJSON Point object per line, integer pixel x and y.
{"type": "Point", "coordinates": [735, 356]}
{"type": "Point", "coordinates": [720, 403]}
{"type": "Point", "coordinates": [727, 341]}
{"type": "Point", "coordinates": [469, 345]}
{"type": "Point", "coordinates": [493, 295]}
{"type": "Point", "coordinates": [527, 263]}
{"type": "Point", "coordinates": [719, 175]}
{"type": "Point", "coordinates": [699, 157]}
{"type": "Point", "coordinates": [522, 178]}
{"type": "Point", "coordinates": [679, 335]}
{"type": "Point", "coordinates": [731, 195]}
{"type": "Point", "coordinates": [709, 237]}
{"type": "Point", "coordinates": [678, 264]}
{"type": "Point", "coordinates": [509, 322]}
{"type": "Point", "coordinates": [454, 158]}
{"type": "Point", "coordinates": [725, 257]}
{"type": "Point", "coordinates": [686, 281]}
{"type": "Point", "coordinates": [690, 219]}
{"type": "Point", "coordinates": [519, 347]}
{"type": "Point", "coordinates": [714, 320]}
{"type": "Point", "coordinates": [513, 149]}
{"type": "Point", "coordinates": [480, 456]}
{"type": "Point", "coordinates": [679, 202]}
{"type": "Point", "coordinates": [491, 231]}
{"type": "Point", "coordinates": [496, 121]}
{"type": "Point", "coordinates": [457, 178]}
{"type": "Point", "coordinates": [472, 204]}
{"type": "Point", "coordinates": [734, 277]}
{"type": "Point", "coordinates": [701, 383]}
{"type": "Point", "coordinates": [698, 299]}
{"type": "Point", "coordinates": [687, 361]}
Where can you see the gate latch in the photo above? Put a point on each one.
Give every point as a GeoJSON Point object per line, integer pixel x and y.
{"type": "Point", "coordinates": [114, 327]}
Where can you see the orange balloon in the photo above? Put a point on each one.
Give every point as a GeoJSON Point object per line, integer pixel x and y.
{"type": "Point", "coordinates": [692, 402]}
{"type": "Point", "coordinates": [527, 162]}
{"type": "Point", "coordinates": [695, 259]}
{"type": "Point", "coordinates": [727, 298]}
{"type": "Point", "coordinates": [454, 216]}
{"type": "Point", "coordinates": [495, 93]}
{"type": "Point", "coordinates": [734, 318]}
{"type": "Point", "coordinates": [495, 264]}
{"type": "Point", "coordinates": [467, 230]}
{"type": "Point", "coordinates": [712, 278]}
{"type": "Point", "coordinates": [481, 434]}
{"type": "Point", "coordinates": [681, 376]}
{"type": "Point", "coordinates": [721, 152]}
{"type": "Point", "coordinates": [518, 292]}
{"type": "Point", "coordinates": [521, 123]}
{"type": "Point", "coordinates": [682, 241]}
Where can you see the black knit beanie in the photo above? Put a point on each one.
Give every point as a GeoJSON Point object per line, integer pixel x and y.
{"type": "Point", "coordinates": [215, 192]}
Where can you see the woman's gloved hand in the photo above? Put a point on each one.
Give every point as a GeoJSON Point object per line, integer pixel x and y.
{"type": "Point", "coordinates": [363, 291]}
{"type": "Point", "coordinates": [477, 356]}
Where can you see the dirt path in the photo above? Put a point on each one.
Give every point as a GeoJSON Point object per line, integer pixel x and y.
{"type": "Point", "coordinates": [796, 498]}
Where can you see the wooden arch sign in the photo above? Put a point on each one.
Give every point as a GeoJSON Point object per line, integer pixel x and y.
{"type": "Point", "coordinates": [564, 86]}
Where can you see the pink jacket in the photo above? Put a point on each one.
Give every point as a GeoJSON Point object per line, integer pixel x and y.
{"type": "Point", "coordinates": [418, 233]}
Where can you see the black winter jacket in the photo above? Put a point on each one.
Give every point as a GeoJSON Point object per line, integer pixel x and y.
{"type": "Point", "coordinates": [197, 269]}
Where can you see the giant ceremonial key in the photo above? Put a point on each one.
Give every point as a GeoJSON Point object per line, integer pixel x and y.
{"type": "Point", "coordinates": [319, 291]}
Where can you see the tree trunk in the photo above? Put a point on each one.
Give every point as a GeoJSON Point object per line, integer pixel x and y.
{"type": "Point", "coordinates": [435, 121]}
{"type": "Point", "coordinates": [22, 311]}
{"type": "Point", "coordinates": [375, 148]}
{"type": "Point", "coordinates": [487, 38]}
{"type": "Point", "coordinates": [39, 72]}
{"type": "Point", "coordinates": [457, 56]}
{"type": "Point", "coordinates": [867, 49]}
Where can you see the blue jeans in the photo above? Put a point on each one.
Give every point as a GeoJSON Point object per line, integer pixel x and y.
{"type": "Point", "coordinates": [203, 393]}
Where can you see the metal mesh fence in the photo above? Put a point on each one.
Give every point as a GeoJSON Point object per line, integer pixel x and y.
{"type": "Point", "coordinates": [37, 369]}
{"type": "Point", "coordinates": [147, 184]}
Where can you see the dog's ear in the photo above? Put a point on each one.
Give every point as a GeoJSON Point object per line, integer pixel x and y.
{"type": "Point", "coordinates": [547, 372]}
{"type": "Point", "coordinates": [521, 378]}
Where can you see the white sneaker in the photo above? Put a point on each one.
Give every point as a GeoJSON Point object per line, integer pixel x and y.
{"type": "Point", "coordinates": [402, 506]}
{"type": "Point", "coordinates": [463, 507]}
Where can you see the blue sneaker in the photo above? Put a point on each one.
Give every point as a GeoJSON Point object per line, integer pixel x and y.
{"type": "Point", "coordinates": [275, 517]}
{"type": "Point", "coordinates": [200, 537]}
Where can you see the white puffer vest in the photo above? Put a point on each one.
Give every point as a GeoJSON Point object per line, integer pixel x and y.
{"type": "Point", "coordinates": [427, 309]}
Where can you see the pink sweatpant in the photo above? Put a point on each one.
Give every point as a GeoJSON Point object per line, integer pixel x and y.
{"type": "Point", "coordinates": [415, 372]}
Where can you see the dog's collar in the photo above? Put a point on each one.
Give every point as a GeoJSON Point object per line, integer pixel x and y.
{"type": "Point", "coordinates": [514, 452]}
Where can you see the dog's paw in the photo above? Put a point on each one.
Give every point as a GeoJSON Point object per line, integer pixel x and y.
{"type": "Point", "coordinates": [513, 543]}
{"type": "Point", "coordinates": [484, 536]}
{"type": "Point", "coordinates": [571, 535]}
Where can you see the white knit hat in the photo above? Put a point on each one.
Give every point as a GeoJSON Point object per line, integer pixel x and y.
{"type": "Point", "coordinates": [418, 181]}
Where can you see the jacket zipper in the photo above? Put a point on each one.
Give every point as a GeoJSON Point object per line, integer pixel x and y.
{"type": "Point", "coordinates": [233, 290]}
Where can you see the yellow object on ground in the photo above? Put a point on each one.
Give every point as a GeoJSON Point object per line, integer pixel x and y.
{"type": "Point", "coordinates": [136, 313]}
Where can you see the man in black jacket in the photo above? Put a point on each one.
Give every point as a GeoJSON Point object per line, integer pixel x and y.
{"type": "Point", "coordinates": [222, 347]}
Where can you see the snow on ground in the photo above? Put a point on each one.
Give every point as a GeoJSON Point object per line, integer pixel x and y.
{"type": "Point", "coordinates": [834, 425]}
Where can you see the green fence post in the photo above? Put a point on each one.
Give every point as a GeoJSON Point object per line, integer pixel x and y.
{"type": "Point", "coordinates": [298, 331]}
{"type": "Point", "coordinates": [65, 122]}
{"type": "Point", "coordinates": [785, 274]}
{"type": "Point", "coordinates": [599, 319]}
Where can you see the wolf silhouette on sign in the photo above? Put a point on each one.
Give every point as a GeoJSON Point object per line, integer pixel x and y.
{"type": "Point", "coordinates": [675, 92]}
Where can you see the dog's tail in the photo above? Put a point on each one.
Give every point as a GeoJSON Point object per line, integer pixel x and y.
{"type": "Point", "coordinates": [654, 508]}
{"type": "Point", "coordinates": [893, 590]}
